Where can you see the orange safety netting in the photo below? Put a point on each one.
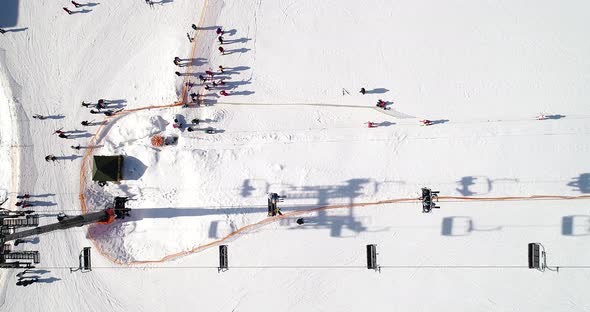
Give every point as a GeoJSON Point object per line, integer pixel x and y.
{"type": "Point", "coordinates": [157, 140]}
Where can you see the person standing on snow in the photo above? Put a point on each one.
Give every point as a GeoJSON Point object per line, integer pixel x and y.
{"type": "Point", "coordinates": [77, 5]}
{"type": "Point", "coordinates": [50, 157]}
{"type": "Point", "coordinates": [220, 39]}
{"type": "Point", "coordinates": [219, 31]}
{"type": "Point", "coordinates": [222, 92]}
{"type": "Point", "coordinates": [363, 91]}
{"type": "Point", "coordinates": [209, 73]}
{"type": "Point", "coordinates": [221, 50]}
{"type": "Point", "coordinates": [203, 80]}
{"type": "Point", "coordinates": [177, 73]}
{"type": "Point", "coordinates": [67, 10]}
{"type": "Point", "coordinates": [221, 69]}
{"type": "Point", "coordinates": [40, 117]}
{"type": "Point", "coordinates": [2, 31]}
{"type": "Point", "coordinates": [194, 26]}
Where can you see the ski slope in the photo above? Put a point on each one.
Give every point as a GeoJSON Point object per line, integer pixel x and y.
{"type": "Point", "coordinates": [294, 123]}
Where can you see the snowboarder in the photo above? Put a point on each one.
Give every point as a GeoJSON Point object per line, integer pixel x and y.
{"type": "Point", "coordinates": [363, 91]}
{"type": "Point", "coordinates": [202, 79]}
{"type": "Point", "coordinates": [220, 39]}
{"type": "Point", "coordinates": [40, 117]}
{"type": "Point", "coordinates": [219, 31]}
{"type": "Point", "coordinates": [2, 31]}
{"type": "Point", "coordinates": [189, 38]}
{"type": "Point", "coordinates": [209, 73]}
{"type": "Point", "coordinates": [50, 157]}
{"type": "Point", "coordinates": [221, 50]}
{"type": "Point", "coordinates": [77, 147]}
{"type": "Point", "coordinates": [222, 92]}
{"type": "Point", "coordinates": [67, 10]}
{"type": "Point", "coordinates": [221, 68]}
{"type": "Point", "coordinates": [177, 73]}
{"type": "Point", "coordinates": [426, 122]}
{"type": "Point", "coordinates": [194, 26]}
{"type": "Point", "coordinates": [77, 5]}
{"type": "Point", "coordinates": [300, 221]}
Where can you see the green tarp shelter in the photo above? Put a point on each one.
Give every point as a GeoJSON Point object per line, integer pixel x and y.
{"type": "Point", "coordinates": [107, 168]}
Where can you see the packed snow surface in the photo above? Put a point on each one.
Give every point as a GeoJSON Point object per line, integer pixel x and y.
{"type": "Point", "coordinates": [295, 123]}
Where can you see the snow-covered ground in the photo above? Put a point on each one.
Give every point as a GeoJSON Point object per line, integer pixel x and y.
{"type": "Point", "coordinates": [294, 123]}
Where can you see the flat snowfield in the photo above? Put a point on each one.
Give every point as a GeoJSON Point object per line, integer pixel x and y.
{"type": "Point", "coordinates": [294, 123]}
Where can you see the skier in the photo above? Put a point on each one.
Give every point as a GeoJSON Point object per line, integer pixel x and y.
{"type": "Point", "coordinates": [26, 282]}
{"type": "Point", "coordinates": [426, 122]}
{"type": "Point", "coordinates": [40, 117]}
{"type": "Point", "coordinates": [189, 38]}
{"type": "Point", "coordinates": [2, 31]}
{"type": "Point", "coordinates": [50, 157]}
{"type": "Point", "coordinates": [221, 68]}
{"type": "Point", "coordinates": [222, 92]}
{"type": "Point", "coordinates": [202, 79]}
{"type": "Point", "coordinates": [300, 221]}
{"type": "Point", "coordinates": [363, 91]}
{"type": "Point", "coordinates": [219, 31]}
{"type": "Point", "coordinates": [77, 147]}
{"type": "Point", "coordinates": [221, 50]}
{"type": "Point", "coordinates": [77, 5]}
{"type": "Point", "coordinates": [209, 73]}
{"type": "Point", "coordinates": [67, 10]}
{"type": "Point", "coordinates": [220, 39]}
{"type": "Point", "coordinates": [177, 73]}
{"type": "Point", "coordinates": [176, 124]}
{"type": "Point", "coordinates": [23, 204]}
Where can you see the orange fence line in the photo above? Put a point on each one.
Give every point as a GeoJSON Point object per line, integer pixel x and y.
{"type": "Point", "coordinates": [269, 220]}
{"type": "Point", "coordinates": [94, 139]}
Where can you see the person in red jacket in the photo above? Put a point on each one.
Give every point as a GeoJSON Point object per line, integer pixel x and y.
{"type": "Point", "coordinates": [222, 92]}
